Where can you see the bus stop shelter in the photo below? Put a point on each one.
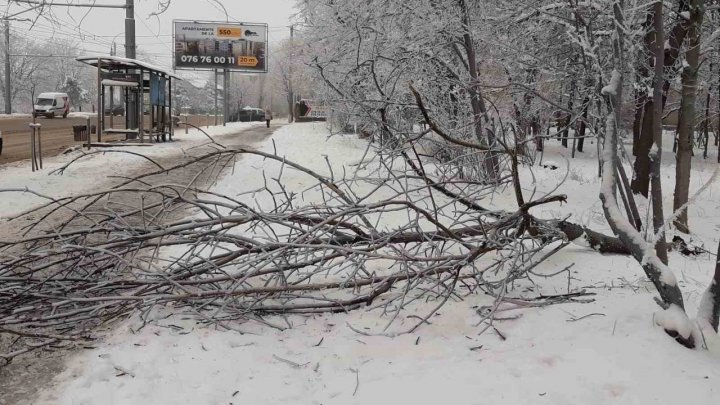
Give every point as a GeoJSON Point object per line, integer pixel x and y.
{"type": "Point", "coordinates": [142, 85]}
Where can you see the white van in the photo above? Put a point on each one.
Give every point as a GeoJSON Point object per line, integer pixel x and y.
{"type": "Point", "coordinates": [52, 105]}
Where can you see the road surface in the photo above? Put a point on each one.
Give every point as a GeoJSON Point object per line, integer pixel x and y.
{"type": "Point", "coordinates": [57, 134]}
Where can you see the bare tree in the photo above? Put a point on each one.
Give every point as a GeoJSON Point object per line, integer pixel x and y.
{"type": "Point", "coordinates": [686, 126]}
{"type": "Point", "coordinates": [675, 39]}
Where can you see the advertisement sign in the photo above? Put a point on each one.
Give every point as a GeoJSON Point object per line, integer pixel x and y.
{"type": "Point", "coordinates": [309, 110]}
{"type": "Point", "coordinates": [121, 77]}
{"type": "Point", "coordinates": [157, 90]}
{"type": "Point", "coordinates": [216, 45]}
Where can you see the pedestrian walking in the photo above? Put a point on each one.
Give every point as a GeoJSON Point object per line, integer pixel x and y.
{"type": "Point", "coordinates": [268, 116]}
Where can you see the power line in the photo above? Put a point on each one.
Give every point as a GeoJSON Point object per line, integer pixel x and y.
{"type": "Point", "coordinates": [84, 35]}
{"type": "Point", "coordinates": [43, 3]}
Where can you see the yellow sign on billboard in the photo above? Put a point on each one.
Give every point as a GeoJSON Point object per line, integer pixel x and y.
{"type": "Point", "coordinates": [247, 61]}
{"type": "Point", "coordinates": [229, 32]}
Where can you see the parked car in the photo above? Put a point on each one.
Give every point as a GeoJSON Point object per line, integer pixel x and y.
{"type": "Point", "coordinates": [52, 105]}
{"type": "Point", "coordinates": [116, 110]}
{"type": "Point", "coordinates": [248, 114]}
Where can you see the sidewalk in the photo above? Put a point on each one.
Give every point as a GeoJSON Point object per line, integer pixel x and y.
{"type": "Point", "coordinates": [96, 171]}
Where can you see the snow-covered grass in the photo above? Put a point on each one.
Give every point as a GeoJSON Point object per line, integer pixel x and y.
{"type": "Point", "coordinates": [91, 172]}
{"type": "Point", "coordinates": [583, 187]}
{"type": "Point", "coordinates": [606, 351]}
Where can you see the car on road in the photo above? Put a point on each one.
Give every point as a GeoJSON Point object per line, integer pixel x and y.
{"type": "Point", "coordinates": [52, 105]}
{"type": "Point", "coordinates": [248, 114]}
{"type": "Point", "coordinates": [116, 110]}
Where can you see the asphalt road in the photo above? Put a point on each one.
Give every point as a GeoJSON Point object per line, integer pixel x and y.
{"type": "Point", "coordinates": [57, 134]}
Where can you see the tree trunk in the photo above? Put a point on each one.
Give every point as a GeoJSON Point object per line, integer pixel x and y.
{"type": "Point", "coordinates": [706, 121]}
{"type": "Point", "coordinates": [641, 181]}
{"type": "Point", "coordinates": [643, 75]}
{"type": "Point", "coordinates": [568, 121]}
{"type": "Point", "coordinates": [658, 273]}
{"type": "Point", "coordinates": [597, 241]}
{"type": "Point", "coordinates": [656, 152]}
{"type": "Point", "coordinates": [583, 124]}
{"type": "Point", "coordinates": [686, 125]}
{"type": "Point", "coordinates": [537, 133]}
{"type": "Point", "coordinates": [624, 186]}
{"type": "Point", "coordinates": [710, 303]}
{"type": "Point", "coordinates": [640, 100]}
{"type": "Point", "coordinates": [476, 99]}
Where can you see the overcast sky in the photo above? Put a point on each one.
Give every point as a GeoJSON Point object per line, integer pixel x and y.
{"type": "Point", "coordinates": [99, 27]}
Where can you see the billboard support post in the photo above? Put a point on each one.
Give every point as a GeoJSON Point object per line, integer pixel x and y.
{"type": "Point", "coordinates": [215, 111]}
{"type": "Point", "coordinates": [226, 92]}
{"type": "Point", "coordinates": [100, 108]}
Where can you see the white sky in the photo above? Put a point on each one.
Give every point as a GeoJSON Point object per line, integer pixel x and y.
{"type": "Point", "coordinates": [97, 30]}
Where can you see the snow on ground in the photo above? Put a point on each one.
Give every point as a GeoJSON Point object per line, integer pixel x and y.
{"type": "Point", "coordinates": [89, 172]}
{"type": "Point", "coordinates": [13, 115]}
{"type": "Point", "coordinates": [81, 114]}
{"type": "Point", "coordinates": [607, 351]}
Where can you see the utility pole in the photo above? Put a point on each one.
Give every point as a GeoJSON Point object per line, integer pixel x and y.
{"type": "Point", "coordinates": [130, 29]}
{"type": "Point", "coordinates": [130, 47]}
{"type": "Point", "coordinates": [8, 89]}
{"type": "Point", "coordinates": [291, 94]}
{"type": "Point", "coordinates": [113, 52]}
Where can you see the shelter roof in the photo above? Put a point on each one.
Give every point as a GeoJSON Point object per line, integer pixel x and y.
{"type": "Point", "coordinates": [118, 62]}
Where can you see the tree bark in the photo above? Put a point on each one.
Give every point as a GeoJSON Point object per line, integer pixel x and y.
{"type": "Point", "coordinates": [686, 125]}
{"type": "Point", "coordinates": [568, 121]}
{"type": "Point", "coordinates": [713, 294]}
{"type": "Point", "coordinates": [597, 241]}
{"type": "Point", "coordinates": [658, 273]}
{"type": "Point", "coordinates": [476, 99]}
{"type": "Point", "coordinates": [643, 75]}
{"type": "Point", "coordinates": [642, 166]}
{"type": "Point", "coordinates": [656, 152]}
{"type": "Point", "coordinates": [583, 124]}
{"type": "Point", "coordinates": [641, 180]}
{"type": "Point", "coordinates": [706, 121]}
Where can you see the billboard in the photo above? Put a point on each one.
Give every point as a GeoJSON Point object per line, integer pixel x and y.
{"type": "Point", "coordinates": [217, 45]}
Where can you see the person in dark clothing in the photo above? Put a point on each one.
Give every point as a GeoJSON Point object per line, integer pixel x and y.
{"type": "Point", "coordinates": [268, 116]}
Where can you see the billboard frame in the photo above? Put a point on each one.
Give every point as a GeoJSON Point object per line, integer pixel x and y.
{"type": "Point", "coordinates": [229, 69]}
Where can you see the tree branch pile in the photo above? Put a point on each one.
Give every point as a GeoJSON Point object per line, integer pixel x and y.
{"type": "Point", "coordinates": [231, 262]}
